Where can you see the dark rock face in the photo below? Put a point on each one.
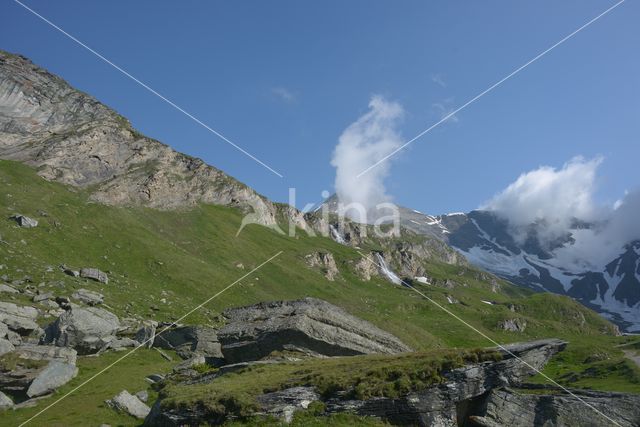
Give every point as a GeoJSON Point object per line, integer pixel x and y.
{"type": "Point", "coordinates": [309, 324]}
{"type": "Point", "coordinates": [505, 407]}
{"type": "Point", "coordinates": [627, 269]}
{"type": "Point", "coordinates": [190, 340]}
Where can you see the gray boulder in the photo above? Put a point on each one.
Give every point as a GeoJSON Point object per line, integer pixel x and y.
{"type": "Point", "coordinates": [85, 329]}
{"type": "Point", "coordinates": [8, 289]}
{"type": "Point", "coordinates": [47, 353]}
{"type": "Point", "coordinates": [513, 325]}
{"type": "Point", "coordinates": [14, 338]}
{"type": "Point", "coordinates": [325, 262]}
{"type": "Point", "coordinates": [147, 333]}
{"type": "Point", "coordinates": [129, 404]}
{"type": "Point", "coordinates": [3, 330]}
{"type": "Point", "coordinates": [17, 318]}
{"type": "Point", "coordinates": [186, 365]}
{"type": "Point", "coordinates": [143, 395]}
{"type": "Point", "coordinates": [94, 274]}
{"type": "Point", "coordinates": [190, 340]}
{"type": "Point", "coordinates": [5, 402]}
{"type": "Point", "coordinates": [63, 302]}
{"type": "Point", "coordinates": [30, 363]}
{"type": "Point", "coordinates": [310, 325]}
{"type": "Point", "coordinates": [284, 403]}
{"type": "Point", "coordinates": [120, 344]}
{"type": "Point", "coordinates": [154, 378]}
{"type": "Point", "coordinates": [53, 376]}
{"type": "Point", "coordinates": [6, 347]}
{"type": "Point", "coordinates": [45, 296]}
{"type": "Point", "coordinates": [88, 297]}
{"type": "Point", "coordinates": [24, 221]}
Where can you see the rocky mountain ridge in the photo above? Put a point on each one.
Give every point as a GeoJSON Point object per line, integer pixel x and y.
{"type": "Point", "coordinates": [72, 138]}
{"type": "Point", "coordinates": [484, 240]}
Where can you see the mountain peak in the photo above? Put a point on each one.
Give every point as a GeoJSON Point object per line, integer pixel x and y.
{"type": "Point", "coordinates": [72, 138]}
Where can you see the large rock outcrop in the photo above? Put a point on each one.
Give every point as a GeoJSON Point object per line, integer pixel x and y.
{"type": "Point", "coordinates": [46, 353]}
{"type": "Point", "coordinates": [188, 341]}
{"type": "Point", "coordinates": [37, 370]}
{"type": "Point", "coordinates": [505, 407]}
{"type": "Point", "coordinates": [309, 324]}
{"type": "Point", "coordinates": [50, 378]}
{"type": "Point", "coordinates": [87, 330]}
{"type": "Point", "coordinates": [447, 404]}
{"type": "Point", "coordinates": [21, 319]}
{"type": "Point", "coordinates": [325, 262]}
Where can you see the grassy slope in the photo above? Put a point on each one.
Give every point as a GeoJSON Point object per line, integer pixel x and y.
{"type": "Point", "coordinates": [365, 376]}
{"type": "Point", "coordinates": [185, 257]}
{"type": "Point", "coordinates": [86, 407]}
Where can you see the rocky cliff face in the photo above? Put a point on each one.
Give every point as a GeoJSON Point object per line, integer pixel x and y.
{"type": "Point", "coordinates": [556, 407]}
{"type": "Point", "coordinates": [449, 404]}
{"type": "Point", "coordinates": [74, 139]}
{"type": "Point", "coordinates": [485, 240]}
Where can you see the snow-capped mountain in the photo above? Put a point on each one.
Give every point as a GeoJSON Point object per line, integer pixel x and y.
{"type": "Point", "coordinates": [613, 289]}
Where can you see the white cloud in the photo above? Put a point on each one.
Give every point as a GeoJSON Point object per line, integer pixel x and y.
{"type": "Point", "coordinates": [437, 79]}
{"type": "Point", "coordinates": [284, 94]}
{"type": "Point", "coordinates": [594, 248]}
{"type": "Point", "coordinates": [363, 143]}
{"type": "Point", "coordinates": [554, 195]}
{"type": "Point", "coordinates": [554, 198]}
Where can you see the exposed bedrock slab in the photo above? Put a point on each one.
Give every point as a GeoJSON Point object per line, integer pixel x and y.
{"type": "Point", "coordinates": [308, 324]}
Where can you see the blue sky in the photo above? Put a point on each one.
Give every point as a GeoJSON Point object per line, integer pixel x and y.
{"type": "Point", "coordinates": [283, 79]}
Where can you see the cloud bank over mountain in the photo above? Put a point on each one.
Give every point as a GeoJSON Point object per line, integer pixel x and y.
{"type": "Point", "coordinates": [363, 143]}
{"type": "Point", "coordinates": [558, 199]}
